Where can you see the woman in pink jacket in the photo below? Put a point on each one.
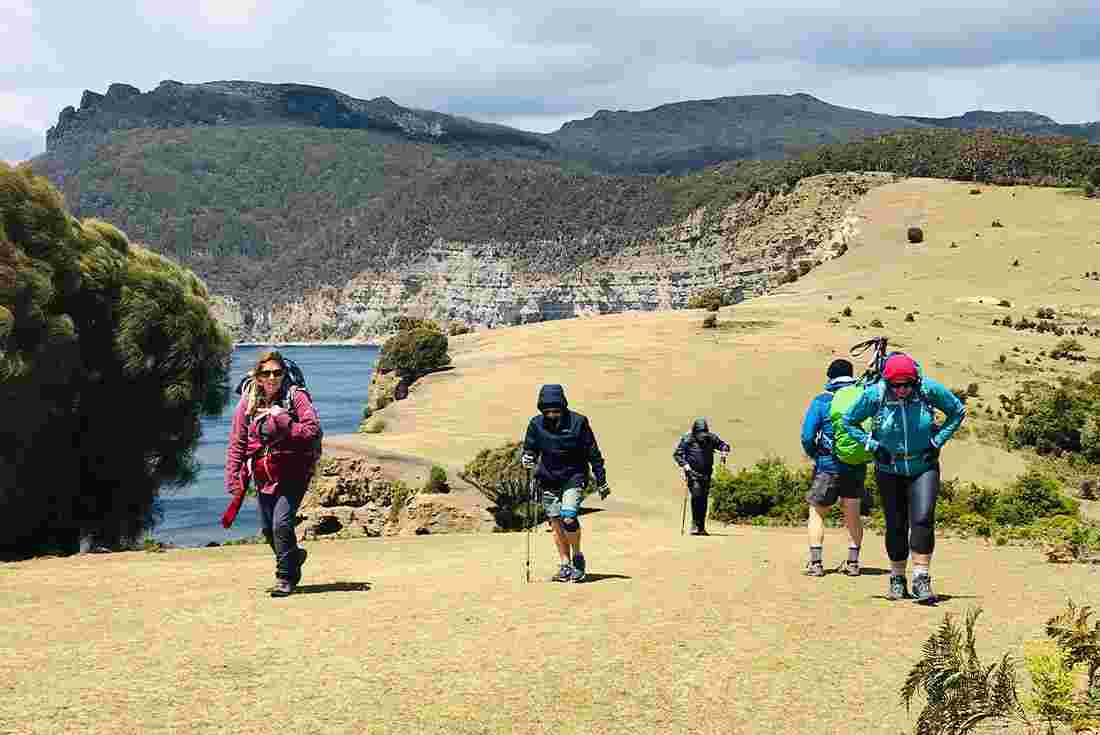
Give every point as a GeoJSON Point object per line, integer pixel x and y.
{"type": "Point", "coordinates": [274, 442]}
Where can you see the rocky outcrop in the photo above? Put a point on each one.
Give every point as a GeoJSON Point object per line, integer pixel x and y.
{"type": "Point", "coordinates": [172, 104]}
{"type": "Point", "coordinates": [746, 249]}
{"type": "Point", "coordinates": [353, 497]}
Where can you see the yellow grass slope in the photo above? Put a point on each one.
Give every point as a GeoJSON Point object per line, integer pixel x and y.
{"type": "Point", "coordinates": [674, 634]}
{"type": "Point", "coordinates": [642, 378]}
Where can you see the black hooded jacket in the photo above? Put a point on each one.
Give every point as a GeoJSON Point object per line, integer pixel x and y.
{"type": "Point", "coordinates": [564, 451]}
{"type": "Point", "coordinates": [696, 450]}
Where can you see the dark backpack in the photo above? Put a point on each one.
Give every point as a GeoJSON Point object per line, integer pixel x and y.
{"type": "Point", "coordinates": [296, 381]}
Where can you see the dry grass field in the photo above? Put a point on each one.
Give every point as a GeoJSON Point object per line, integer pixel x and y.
{"type": "Point", "coordinates": [440, 634]}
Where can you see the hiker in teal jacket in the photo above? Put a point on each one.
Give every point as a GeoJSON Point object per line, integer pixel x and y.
{"type": "Point", "coordinates": [906, 443]}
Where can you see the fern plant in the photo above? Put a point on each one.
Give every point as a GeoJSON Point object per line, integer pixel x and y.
{"type": "Point", "coordinates": [960, 691]}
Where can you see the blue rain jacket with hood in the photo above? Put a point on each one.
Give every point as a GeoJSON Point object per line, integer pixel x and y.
{"type": "Point", "coordinates": [907, 429]}
{"type": "Point", "coordinates": [817, 431]}
{"type": "Point", "coordinates": [565, 448]}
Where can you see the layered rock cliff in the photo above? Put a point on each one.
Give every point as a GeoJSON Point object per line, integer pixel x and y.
{"type": "Point", "coordinates": [746, 249]}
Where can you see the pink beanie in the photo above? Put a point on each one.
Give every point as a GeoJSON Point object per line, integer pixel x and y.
{"type": "Point", "coordinates": [900, 368]}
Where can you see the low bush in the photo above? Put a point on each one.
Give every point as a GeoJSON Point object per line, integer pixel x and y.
{"type": "Point", "coordinates": [457, 328]}
{"type": "Point", "coordinates": [414, 352]}
{"type": "Point", "coordinates": [710, 321]}
{"type": "Point", "coordinates": [400, 495]}
{"type": "Point", "coordinates": [915, 235]}
{"type": "Point", "coordinates": [847, 311]}
{"type": "Point", "coordinates": [437, 481]}
{"type": "Point", "coordinates": [500, 477]}
{"type": "Point", "coordinates": [373, 425]}
{"type": "Point", "coordinates": [769, 491]}
{"type": "Point", "coordinates": [1031, 497]}
{"type": "Point", "coordinates": [962, 694]}
{"type": "Point", "coordinates": [710, 299]}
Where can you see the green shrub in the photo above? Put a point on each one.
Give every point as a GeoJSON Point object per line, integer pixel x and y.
{"type": "Point", "coordinates": [400, 495]}
{"type": "Point", "coordinates": [109, 357]}
{"type": "Point", "coordinates": [373, 425]}
{"type": "Point", "coordinates": [437, 481]}
{"type": "Point", "coordinates": [710, 321]}
{"type": "Point", "coordinates": [414, 352]}
{"type": "Point", "coordinates": [1030, 497]}
{"type": "Point", "coordinates": [500, 477]}
{"type": "Point", "coordinates": [847, 311]}
{"type": "Point", "coordinates": [767, 489]}
{"type": "Point", "coordinates": [910, 318]}
{"type": "Point", "coordinates": [405, 323]}
{"type": "Point", "coordinates": [457, 328]}
{"type": "Point", "coordinates": [710, 299]}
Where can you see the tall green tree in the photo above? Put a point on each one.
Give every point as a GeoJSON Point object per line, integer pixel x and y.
{"type": "Point", "coordinates": [108, 357]}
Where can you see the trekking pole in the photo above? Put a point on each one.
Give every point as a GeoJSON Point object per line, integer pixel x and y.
{"type": "Point", "coordinates": [684, 511]}
{"type": "Point", "coordinates": [530, 525]}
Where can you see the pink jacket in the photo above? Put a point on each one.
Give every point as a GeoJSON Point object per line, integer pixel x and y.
{"type": "Point", "coordinates": [289, 443]}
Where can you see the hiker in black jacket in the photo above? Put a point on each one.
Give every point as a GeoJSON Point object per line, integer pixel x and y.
{"type": "Point", "coordinates": [695, 455]}
{"type": "Point", "coordinates": [561, 446]}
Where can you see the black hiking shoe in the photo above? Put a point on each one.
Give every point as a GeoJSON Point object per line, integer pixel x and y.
{"type": "Point", "coordinates": [898, 590]}
{"type": "Point", "coordinates": [851, 568]}
{"type": "Point", "coordinates": [282, 588]}
{"type": "Point", "coordinates": [922, 590]}
{"type": "Point", "coordinates": [578, 567]}
{"type": "Point", "coordinates": [302, 556]}
{"type": "Point", "coordinates": [565, 574]}
{"type": "Point", "coordinates": [815, 569]}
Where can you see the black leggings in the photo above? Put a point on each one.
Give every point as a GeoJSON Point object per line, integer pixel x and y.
{"type": "Point", "coordinates": [909, 504]}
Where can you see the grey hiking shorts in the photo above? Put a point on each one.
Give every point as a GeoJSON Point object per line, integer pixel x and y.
{"type": "Point", "coordinates": [828, 486]}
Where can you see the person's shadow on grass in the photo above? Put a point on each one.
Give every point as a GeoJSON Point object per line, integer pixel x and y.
{"type": "Point", "coordinates": [594, 577]}
{"type": "Point", "coordinates": [311, 589]}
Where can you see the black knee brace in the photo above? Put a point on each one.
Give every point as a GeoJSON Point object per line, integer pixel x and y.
{"type": "Point", "coordinates": [570, 524]}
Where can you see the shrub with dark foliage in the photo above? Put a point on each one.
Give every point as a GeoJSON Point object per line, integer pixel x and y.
{"type": "Point", "coordinates": [415, 352]}
{"type": "Point", "coordinates": [108, 357]}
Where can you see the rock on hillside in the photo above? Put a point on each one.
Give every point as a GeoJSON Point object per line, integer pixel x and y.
{"type": "Point", "coordinates": [747, 249]}
{"type": "Point", "coordinates": [352, 497]}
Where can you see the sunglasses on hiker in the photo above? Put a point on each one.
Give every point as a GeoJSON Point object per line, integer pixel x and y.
{"type": "Point", "coordinates": [907, 385]}
{"type": "Point", "coordinates": [270, 373]}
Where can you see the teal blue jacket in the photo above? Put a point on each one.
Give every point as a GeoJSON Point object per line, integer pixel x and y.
{"type": "Point", "coordinates": [906, 429]}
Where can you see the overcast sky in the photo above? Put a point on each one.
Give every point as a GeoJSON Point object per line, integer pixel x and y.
{"type": "Point", "coordinates": [558, 60]}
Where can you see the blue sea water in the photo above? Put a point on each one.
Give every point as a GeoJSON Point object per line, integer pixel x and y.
{"type": "Point", "coordinates": [338, 378]}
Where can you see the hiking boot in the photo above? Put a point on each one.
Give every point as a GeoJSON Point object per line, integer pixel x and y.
{"type": "Point", "coordinates": [282, 588]}
{"type": "Point", "coordinates": [898, 590]}
{"type": "Point", "coordinates": [851, 568]}
{"type": "Point", "coordinates": [815, 569]}
{"type": "Point", "coordinates": [702, 532]}
{"type": "Point", "coordinates": [694, 531]}
{"type": "Point", "coordinates": [302, 556]}
{"type": "Point", "coordinates": [565, 574]}
{"type": "Point", "coordinates": [922, 590]}
{"type": "Point", "coordinates": [578, 567]}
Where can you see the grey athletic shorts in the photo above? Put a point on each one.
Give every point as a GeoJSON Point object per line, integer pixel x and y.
{"type": "Point", "coordinates": [828, 486]}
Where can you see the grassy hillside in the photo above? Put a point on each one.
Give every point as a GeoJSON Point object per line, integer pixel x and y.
{"type": "Point", "coordinates": [263, 212]}
{"type": "Point", "coordinates": [259, 210]}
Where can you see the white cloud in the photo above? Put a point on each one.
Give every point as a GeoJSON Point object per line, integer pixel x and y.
{"type": "Point", "coordinates": [538, 64]}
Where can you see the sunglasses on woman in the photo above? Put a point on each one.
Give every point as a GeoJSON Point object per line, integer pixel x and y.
{"type": "Point", "coordinates": [901, 386]}
{"type": "Point", "coordinates": [270, 373]}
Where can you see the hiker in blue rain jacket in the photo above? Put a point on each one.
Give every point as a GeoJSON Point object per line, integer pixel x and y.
{"type": "Point", "coordinates": [906, 442]}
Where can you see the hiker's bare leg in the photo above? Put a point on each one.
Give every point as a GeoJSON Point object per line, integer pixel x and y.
{"type": "Point", "coordinates": [816, 524]}
{"type": "Point", "coordinates": [561, 540]}
{"type": "Point", "coordinates": [924, 560]}
{"type": "Point", "coordinates": [852, 521]}
{"type": "Point", "coordinates": [574, 539]}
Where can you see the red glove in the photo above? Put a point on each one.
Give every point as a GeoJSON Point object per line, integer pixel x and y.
{"type": "Point", "coordinates": [230, 513]}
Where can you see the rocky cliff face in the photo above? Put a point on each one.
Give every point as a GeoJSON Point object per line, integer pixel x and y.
{"type": "Point", "coordinates": [745, 249]}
